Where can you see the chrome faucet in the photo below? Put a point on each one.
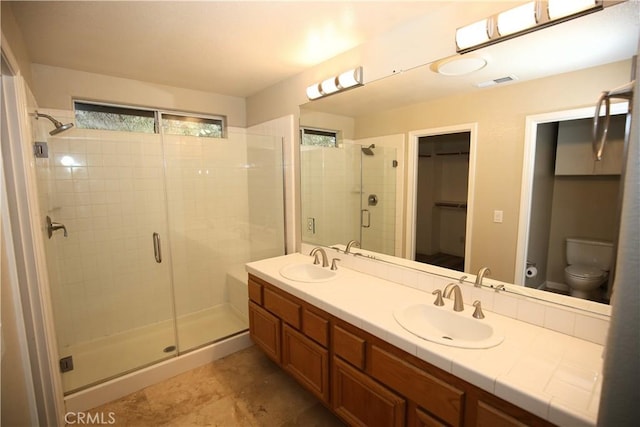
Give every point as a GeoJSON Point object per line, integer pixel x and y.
{"type": "Point", "coordinates": [351, 244]}
{"type": "Point", "coordinates": [484, 271]}
{"type": "Point", "coordinates": [458, 304]}
{"type": "Point", "coordinates": [314, 253]}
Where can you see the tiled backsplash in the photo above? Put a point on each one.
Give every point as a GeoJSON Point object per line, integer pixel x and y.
{"type": "Point", "coordinates": [567, 320]}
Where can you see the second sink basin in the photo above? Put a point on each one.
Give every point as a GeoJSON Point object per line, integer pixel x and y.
{"type": "Point", "coordinates": [307, 273]}
{"type": "Point", "coordinates": [445, 326]}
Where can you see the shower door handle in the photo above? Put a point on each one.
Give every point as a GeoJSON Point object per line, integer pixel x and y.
{"type": "Point", "coordinates": [157, 249]}
{"type": "Point", "coordinates": [365, 214]}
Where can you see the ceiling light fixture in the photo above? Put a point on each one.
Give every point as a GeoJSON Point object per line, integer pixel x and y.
{"type": "Point", "coordinates": [517, 19]}
{"type": "Point", "coordinates": [458, 65]}
{"type": "Point", "coordinates": [347, 80]}
{"type": "Point", "coordinates": [523, 19]}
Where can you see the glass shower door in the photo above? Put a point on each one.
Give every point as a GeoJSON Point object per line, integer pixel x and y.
{"type": "Point", "coordinates": [225, 209]}
{"type": "Point", "coordinates": [111, 291]}
{"type": "Point", "coordinates": [378, 199]}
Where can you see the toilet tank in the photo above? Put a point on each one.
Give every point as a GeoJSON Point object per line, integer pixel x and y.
{"type": "Point", "coordinates": [597, 253]}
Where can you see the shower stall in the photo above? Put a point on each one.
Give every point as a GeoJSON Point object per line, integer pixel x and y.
{"type": "Point", "coordinates": [149, 236]}
{"type": "Point", "coordinates": [351, 192]}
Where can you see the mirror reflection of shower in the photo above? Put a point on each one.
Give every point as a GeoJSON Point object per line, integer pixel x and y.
{"type": "Point", "coordinates": [59, 126]}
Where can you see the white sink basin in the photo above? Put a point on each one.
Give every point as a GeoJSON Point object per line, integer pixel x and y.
{"type": "Point", "coordinates": [445, 326]}
{"type": "Point", "coordinates": [308, 272]}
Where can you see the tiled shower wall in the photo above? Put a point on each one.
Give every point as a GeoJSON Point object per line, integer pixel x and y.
{"type": "Point", "coordinates": [110, 193]}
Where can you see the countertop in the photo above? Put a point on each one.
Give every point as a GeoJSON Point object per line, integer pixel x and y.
{"type": "Point", "coordinates": [555, 376]}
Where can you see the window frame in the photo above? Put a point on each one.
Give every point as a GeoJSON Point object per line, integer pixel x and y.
{"type": "Point", "coordinates": [156, 113]}
{"type": "Point", "coordinates": [319, 132]}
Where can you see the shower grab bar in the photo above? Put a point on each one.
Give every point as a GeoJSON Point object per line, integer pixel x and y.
{"type": "Point", "coordinates": [157, 250]}
{"type": "Point", "coordinates": [623, 92]}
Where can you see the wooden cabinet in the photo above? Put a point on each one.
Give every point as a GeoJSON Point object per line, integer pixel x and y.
{"type": "Point", "coordinates": [264, 329]}
{"type": "Point", "coordinates": [306, 361]}
{"type": "Point", "coordinates": [422, 418]}
{"type": "Point", "coordinates": [363, 379]}
{"type": "Point", "coordinates": [431, 393]}
{"type": "Point", "coordinates": [490, 416]}
{"type": "Point", "coordinates": [361, 401]}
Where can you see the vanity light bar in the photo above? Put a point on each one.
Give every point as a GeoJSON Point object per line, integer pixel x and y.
{"type": "Point", "coordinates": [344, 81]}
{"type": "Point", "coordinates": [523, 19]}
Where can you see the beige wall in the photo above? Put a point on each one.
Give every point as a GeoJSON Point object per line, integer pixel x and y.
{"type": "Point", "coordinates": [55, 87]}
{"type": "Point", "coordinates": [12, 38]}
{"type": "Point", "coordinates": [500, 113]}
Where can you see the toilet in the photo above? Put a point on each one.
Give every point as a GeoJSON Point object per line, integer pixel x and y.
{"type": "Point", "coordinates": [589, 261]}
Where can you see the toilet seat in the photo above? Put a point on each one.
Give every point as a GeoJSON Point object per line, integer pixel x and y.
{"type": "Point", "coordinates": [584, 271]}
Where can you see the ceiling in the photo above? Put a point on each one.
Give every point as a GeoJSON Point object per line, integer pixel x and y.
{"type": "Point", "coordinates": [234, 48]}
{"type": "Point", "coordinates": [603, 37]}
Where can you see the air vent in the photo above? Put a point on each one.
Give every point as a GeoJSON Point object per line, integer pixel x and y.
{"type": "Point", "coordinates": [497, 81]}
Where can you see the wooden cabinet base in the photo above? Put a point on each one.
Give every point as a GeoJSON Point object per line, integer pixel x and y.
{"type": "Point", "coordinates": [367, 381]}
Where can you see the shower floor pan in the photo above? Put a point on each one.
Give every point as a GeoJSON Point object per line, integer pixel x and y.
{"type": "Point", "coordinates": [112, 356]}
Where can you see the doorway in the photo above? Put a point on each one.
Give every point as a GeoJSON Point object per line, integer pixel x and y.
{"type": "Point", "coordinates": [441, 208]}
{"type": "Point", "coordinates": [567, 195]}
{"type": "Point", "coordinates": [440, 194]}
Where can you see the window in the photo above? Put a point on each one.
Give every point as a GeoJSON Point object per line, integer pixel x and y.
{"type": "Point", "coordinates": [111, 117]}
{"type": "Point", "coordinates": [108, 117]}
{"type": "Point", "coordinates": [319, 137]}
{"type": "Point", "coordinates": [173, 124]}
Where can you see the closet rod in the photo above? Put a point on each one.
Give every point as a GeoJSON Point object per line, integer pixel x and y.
{"type": "Point", "coordinates": [456, 205]}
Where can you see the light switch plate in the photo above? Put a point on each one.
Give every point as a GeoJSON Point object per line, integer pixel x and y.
{"type": "Point", "coordinates": [497, 216]}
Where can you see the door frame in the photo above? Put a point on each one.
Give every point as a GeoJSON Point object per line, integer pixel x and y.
{"type": "Point", "coordinates": [412, 185]}
{"type": "Point", "coordinates": [28, 231]}
{"type": "Point", "coordinates": [528, 166]}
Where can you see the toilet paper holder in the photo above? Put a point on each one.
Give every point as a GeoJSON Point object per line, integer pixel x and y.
{"type": "Point", "coordinates": [531, 270]}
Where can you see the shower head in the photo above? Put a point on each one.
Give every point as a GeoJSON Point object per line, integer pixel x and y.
{"type": "Point", "coordinates": [59, 126]}
{"type": "Point", "coordinates": [368, 150]}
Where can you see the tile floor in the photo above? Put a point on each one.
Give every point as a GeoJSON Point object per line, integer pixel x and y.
{"type": "Point", "coordinates": [242, 389]}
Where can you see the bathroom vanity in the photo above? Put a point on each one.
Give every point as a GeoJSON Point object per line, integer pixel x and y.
{"type": "Point", "coordinates": [338, 338]}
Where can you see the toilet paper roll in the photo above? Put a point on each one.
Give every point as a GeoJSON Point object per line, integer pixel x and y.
{"type": "Point", "coordinates": [531, 272]}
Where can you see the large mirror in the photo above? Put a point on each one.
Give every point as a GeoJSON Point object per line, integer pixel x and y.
{"type": "Point", "coordinates": [448, 169]}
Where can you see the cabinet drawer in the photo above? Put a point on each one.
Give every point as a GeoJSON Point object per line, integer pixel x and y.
{"type": "Point", "coordinates": [282, 307]}
{"type": "Point", "coordinates": [315, 327]}
{"type": "Point", "coordinates": [348, 346]}
{"type": "Point", "coordinates": [361, 401]}
{"type": "Point", "coordinates": [255, 291]}
{"type": "Point", "coordinates": [264, 329]}
{"type": "Point", "coordinates": [424, 419]}
{"type": "Point", "coordinates": [306, 361]}
{"type": "Point", "coordinates": [489, 416]}
{"type": "Point", "coordinates": [436, 396]}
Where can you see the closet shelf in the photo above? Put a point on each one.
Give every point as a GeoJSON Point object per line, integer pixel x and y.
{"type": "Point", "coordinates": [449, 204]}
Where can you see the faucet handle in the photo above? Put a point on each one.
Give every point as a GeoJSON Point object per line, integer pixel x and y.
{"type": "Point", "coordinates": [438, 293]}
{"type": "Point", "coordinates": [462, 279]}
{"type": "Point", "coordinates": [334, 265]}
{"type": "Point", "coordinates": [316, 258]}
{"type": "Point", "coordinates": [477, 313]}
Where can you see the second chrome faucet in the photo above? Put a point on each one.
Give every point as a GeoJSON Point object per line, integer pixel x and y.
{"type": "Point", "coordinates": [458, 304]}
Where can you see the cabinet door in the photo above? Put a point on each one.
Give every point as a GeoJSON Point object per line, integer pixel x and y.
{"type": "Point", "coordinates": [264, 329]}
{"type": "Point", "coordinates": [361, 401]}
{"type": "Point", "coordinates": [306, 361]}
